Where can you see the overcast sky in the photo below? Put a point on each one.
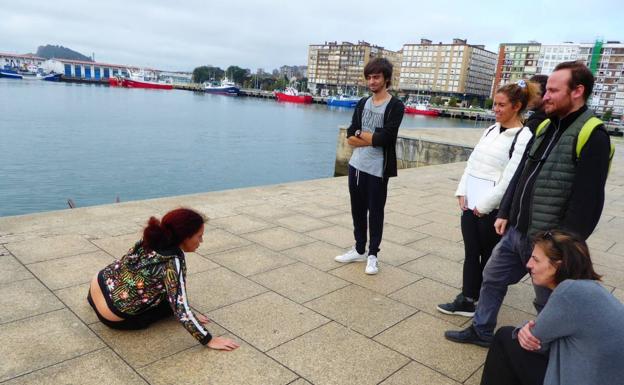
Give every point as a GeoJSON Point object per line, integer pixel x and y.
{"type": "Point", "coordinates": [269, 33]}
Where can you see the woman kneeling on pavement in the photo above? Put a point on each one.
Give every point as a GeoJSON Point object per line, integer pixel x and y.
{"type": "Point", "coordinates": [490, 168]}
{"type": "Point", "coordinates": [578, 338]}
{"type": "Point", "coordinates": [149, 282]}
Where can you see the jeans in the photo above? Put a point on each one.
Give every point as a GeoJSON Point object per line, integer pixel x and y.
{"type": "Point", "coordinates": [506, 266]}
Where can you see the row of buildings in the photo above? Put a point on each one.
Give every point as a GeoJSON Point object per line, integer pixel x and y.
{"type": "Point", "coordinates": [87, 70]}
{"type": "Point", "coordinates": [466, 71]}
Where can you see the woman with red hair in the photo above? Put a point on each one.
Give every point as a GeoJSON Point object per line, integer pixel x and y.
{"type": "Point", "coordinates": [149, 282]}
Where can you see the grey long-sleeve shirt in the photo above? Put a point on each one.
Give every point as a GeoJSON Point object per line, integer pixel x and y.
{"type": "Point", "coordinates": [583, 327]}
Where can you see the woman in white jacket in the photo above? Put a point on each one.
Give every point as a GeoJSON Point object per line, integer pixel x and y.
{"type": "Point", "coordinates": [490, 168]}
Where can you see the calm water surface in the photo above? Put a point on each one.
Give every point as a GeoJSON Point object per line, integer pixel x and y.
{"type": "Point", "coordinates": [94, 143]}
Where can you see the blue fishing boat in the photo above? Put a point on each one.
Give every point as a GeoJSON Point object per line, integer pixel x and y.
{"type": "Point", "coordinates": [343, 101]}
{"type": "Point", "coordinates": [226, 87]}
{"type": "Point", "coordinates": [10, 73]}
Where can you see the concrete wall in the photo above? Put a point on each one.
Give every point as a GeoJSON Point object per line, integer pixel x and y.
{"type": "Point", "coordinates": [411, 152]}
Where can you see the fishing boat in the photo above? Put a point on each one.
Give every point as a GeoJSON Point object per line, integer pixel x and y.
{"type": "Point", "coordinates": [225, 87]}
{"type": "Point", "coordinates": [421, 109]}
{"type": "Point", "coordinates": [138, 80]}
{"type": "Point", "coordinates": [343, 101]}
{"type": "Point", "coordinates": [31, 73]}
{"type": "Point", "coordinates": [293, 96]}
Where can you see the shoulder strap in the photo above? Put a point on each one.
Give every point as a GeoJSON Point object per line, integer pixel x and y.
{"type": "Point", "coordinates": [588, 128]}
{"type": "Point", "coordinates": [513, 143]}
{"type": "Point", "coordinates": [542, 127]}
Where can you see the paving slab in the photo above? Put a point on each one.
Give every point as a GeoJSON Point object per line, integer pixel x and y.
{"type": "Point", "coordinates": [360, 309]}
{"type": "Point", "coordinates": [388, 279]}
{"type": "Point", "coordinates": [268, 320]}
{"type": "Point", "coordinates": [278, 238]}
{"type": "Point", "coordinates": [317, 254]}
{"type": "Point", "coordinates": [217, 240]}
{"type": "Point", "coordinates": [401, 235]}
{"type": "Point", "coordinates": [404, 220]}
{"type": "Point", "coordinates": [299, 282]}
{"type": "Point", "coordinates": [252, 259]}
{"type": "Point", "coordinates": [426, 294]}
{"type": "Point", "coordinates": [70, 271]}
{"type": "Point", "coordinates": [421, 337]}
{"type": "Point", "coordinates": [326, 356]}
{"type": "Point", "coordinates": [219, 287]}
{"type": "Point", "coordinates": [336, 235]}
{"type": "Point", "coordinates": [302, 223]}
{"type": "Point", "coordinates": [25, 298]}
{"type": "Point", "coordinates": [440, 247]}
{"type": "Point", "coordinates": [441, 230]}
{"type": "Point", "coordinates": [75, 298]}
{"type": "Point", "coordinates": [95, 368]}
{"type": "Point", "coordinates": [202, 366]}
{"type": "Point", "coordinates": [117, 246]}
{"type": "Point", "coordinates": [12, 270]}
{"type": "Point", "coordinates": [240, 224]}
{"type": "Point", "coordinates": [43, 340]}
{"type": "Point", "coordinates": [417, 374]}
{"type": "Point", "coordinates": [395, 254]}
{"type": "Point", "coordinates": [437, 268]}
{"type": "Point", "coordinates": [142, 347]}
{"type": "Point", "coordinates": [44, 249]}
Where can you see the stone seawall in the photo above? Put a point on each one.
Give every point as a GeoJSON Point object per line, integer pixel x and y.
{"type": "Point", "coordinates": [413, 150]}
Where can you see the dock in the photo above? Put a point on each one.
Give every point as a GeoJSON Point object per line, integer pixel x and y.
{"type": "Point", "coordinates": [265, 276]}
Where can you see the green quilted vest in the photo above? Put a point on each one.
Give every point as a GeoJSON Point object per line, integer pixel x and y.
{"type": "Point", "coordinates": [553, 185]}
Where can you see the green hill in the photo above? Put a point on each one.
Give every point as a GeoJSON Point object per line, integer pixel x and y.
{"type": "Point", "coordinates": [60, 52]}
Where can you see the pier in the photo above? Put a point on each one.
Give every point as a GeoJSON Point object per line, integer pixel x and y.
{"type": "Point", "coordinates": [266, 277]}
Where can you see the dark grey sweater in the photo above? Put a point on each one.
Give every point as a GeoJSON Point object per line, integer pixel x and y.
{"type": "Point", "coordinates": [583, 327]}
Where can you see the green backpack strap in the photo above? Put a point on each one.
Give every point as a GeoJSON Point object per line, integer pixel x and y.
{"type": "Point", "coordinates": [583, 136]}
{"type": "Point", "coordinates": [542, 126]}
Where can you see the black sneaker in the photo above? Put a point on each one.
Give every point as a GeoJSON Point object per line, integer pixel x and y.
{"type": "Point", "coordinates": [467, 336]}
{"type": "Point", "coordinates": [461, 306]}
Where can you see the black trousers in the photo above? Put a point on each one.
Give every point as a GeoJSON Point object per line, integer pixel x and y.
{"type": "Point", "coordinates": [368, 199]}
{"type": "Point", "coordinates": [136, 322]}
{"type": "Point", "coordinates": [479, 241]}
{"type": "Point", "coordinates": [507, 363]}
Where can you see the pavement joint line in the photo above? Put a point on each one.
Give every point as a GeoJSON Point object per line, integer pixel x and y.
{"type": "Point", "coordinates": [54, 364]}
{"type": "Point", "coordinates": [68, 308]}
{"type": "Point", "coordinates": [33, 315]}
{"type": "Point", "coordinates": [396, 371]}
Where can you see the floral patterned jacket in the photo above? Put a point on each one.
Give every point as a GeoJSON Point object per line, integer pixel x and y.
{"type": "Point", "coordinates": [141, 280]}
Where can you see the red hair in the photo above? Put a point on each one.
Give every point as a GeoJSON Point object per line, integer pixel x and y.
{"type": "Point", "coordinates": [176, 226]}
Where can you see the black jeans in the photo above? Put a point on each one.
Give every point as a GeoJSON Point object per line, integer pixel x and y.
{"type": "Point", "coordinates": [368, 199]}
{"type": "Point", "coordinates": [479, 241]}
{"type": "Point", "coordinates": [507, 363]}
{"type": "Point", "coordinates": [136, 322]}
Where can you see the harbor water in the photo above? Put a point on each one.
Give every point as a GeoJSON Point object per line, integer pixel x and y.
{"type": "Point", "coordinates": [93, 143]}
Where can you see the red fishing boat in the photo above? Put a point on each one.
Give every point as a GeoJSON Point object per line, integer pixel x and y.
{"type": "Point", "coordinates": [138, 80]}
{"type": "Point", "coordinates": [421, 109]}
{"type": "Point", "coordinates": [293, 96]}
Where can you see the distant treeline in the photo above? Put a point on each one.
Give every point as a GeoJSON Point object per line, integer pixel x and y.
{"type": "Point", "coordinates": [60, 52]}
{"type": "Point", "coordinates": [244, 77]}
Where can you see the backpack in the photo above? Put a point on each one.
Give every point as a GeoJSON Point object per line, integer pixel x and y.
{"type": "Point", "coordinates": [590, 125]}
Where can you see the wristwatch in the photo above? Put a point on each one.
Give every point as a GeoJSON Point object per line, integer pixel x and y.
{"type": "Point", "coordinates": [358, 133]}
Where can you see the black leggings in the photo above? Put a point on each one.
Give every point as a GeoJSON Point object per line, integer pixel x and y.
{"type": "Point", "coordinates": [479, 241]}
{"type": "Point", "coordinates": [135, 322]}
{"type": "Point", "coordinates": [508, 363]}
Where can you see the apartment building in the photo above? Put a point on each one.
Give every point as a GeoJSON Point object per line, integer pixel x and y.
{"type": "Point", "coordinates": [339, 67]}
{"type": "Point", "coordinates": [516, 61]}
{"type": "Point", "coordinates": [606, 60]}
{"type": "Point", "coordinates": [456, 69]}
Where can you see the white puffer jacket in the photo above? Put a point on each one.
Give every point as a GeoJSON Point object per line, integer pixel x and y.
{"type": "Point", "coordinates": [490, 160]}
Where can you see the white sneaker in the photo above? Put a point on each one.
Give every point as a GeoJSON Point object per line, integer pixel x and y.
{"type": "Point", "coordinates": [351, 256]}
{"type": "Point", "coordinates": [371, 265]}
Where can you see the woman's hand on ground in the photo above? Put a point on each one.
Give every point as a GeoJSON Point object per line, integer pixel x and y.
{"type": "Point", "coordinates": [527, 340]}
{"type": "Point", "coordinates": [462, 203]}
{"type": "Point", "coordinates": [500, 226]}
{"type": "Point", "coordinates": [203, 319]}
{"type": "Point", "coordinates": [222, 343]}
